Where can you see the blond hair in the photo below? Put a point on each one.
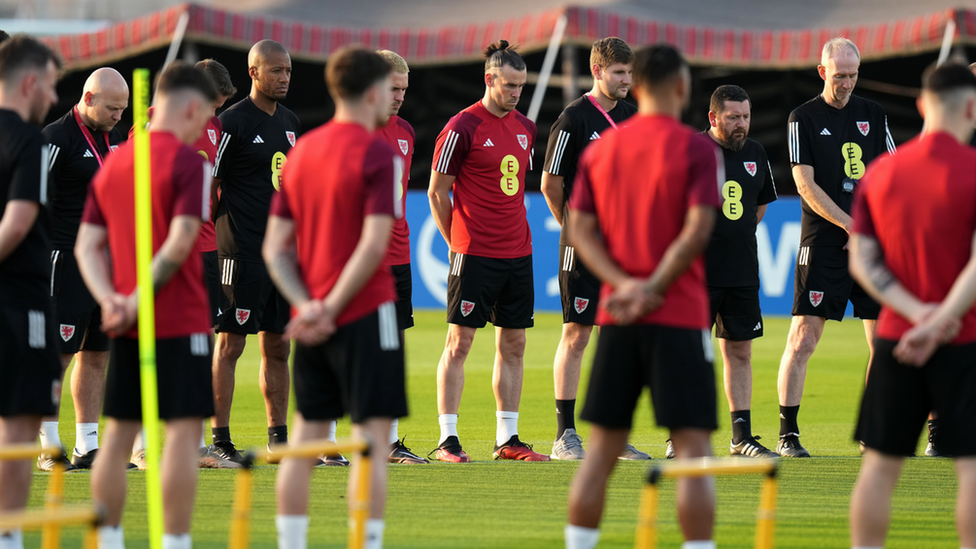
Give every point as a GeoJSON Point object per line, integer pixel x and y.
{"type": "Point", "coordinates": [398, 63]}
{"type": "Point", "coordinates": [834, 46]}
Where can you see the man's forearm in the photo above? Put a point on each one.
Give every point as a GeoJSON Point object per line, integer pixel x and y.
{"type": "Point", "coordinates": [441, 208]}
{"type": "Point", "coordinates": [869, 270]}
{"type": "Point", "coordinates": [691, 242]}
{"type": "Point", "coordinates": [817, 199]}
{"type": "Point", "coordinates": [359, 269]}
{"type": "Point", "coordinates": [593, 250]}
{"type": "Point", "coordinates": [552, 190]}
{"type": "Point", "coordinates": [93, 265]}
{"type": "Point", "coordinates": [962, 295]}
{"type": "Point", "coordinates": [283, 269]}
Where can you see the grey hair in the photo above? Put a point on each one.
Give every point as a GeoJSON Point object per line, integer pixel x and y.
{"type": "Point", "coordinates": [835, 46]}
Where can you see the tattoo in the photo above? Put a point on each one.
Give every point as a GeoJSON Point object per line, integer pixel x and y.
{"type": "Point", "coordinates": [283, 270]}
{"type": "Point", "coordinates": [877, 271]}
{"type": "Point", "coordinates": [162, 270]}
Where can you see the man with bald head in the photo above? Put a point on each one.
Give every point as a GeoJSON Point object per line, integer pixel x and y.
{"type": "Point", "coordinates": [832, 138]}
{"type": "Point", "coordinates": [78, 143]}
{"type": "Point", "coordinates": [257, 134]}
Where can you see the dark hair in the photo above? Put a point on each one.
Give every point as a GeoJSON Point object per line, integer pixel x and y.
{"type": "Point", "coordinates": [351, 70]}
{"type": "Point", "coordinates": [24, 52]}
{"type": "Point", "coordinates": [179, 76]}
{"type": "Point", "coordinates": [500, 53]}
{"type": "Point", "coordinates": [728, 92]}
{"type": "Point", "coordinates": [947, 78]}
{"type": "Point", "coordinates": [656, 65]}
{"type": "Point", "coordinates": [220, 76]}
{"type": "Point", "coordinates": [3, 36]}
{"type": "Point", "coordinates": [609, 51]}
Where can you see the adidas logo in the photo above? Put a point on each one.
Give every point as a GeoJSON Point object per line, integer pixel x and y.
{"type": "Point", "coordinates": [740, 420]}
{"type": "Point", "coordinates": [825, 132]}
{"type": "Point", "coordinates": [258, 140]}
{"type": "Point", "coordinates": [758, 327]}
{"type": "Point", "coordinates": [88, 154]}
{"type": "Point", "coordinates": [91, 434]}
{"type": "Point", "coordinates": [781, 416]}
{"type": "Point", "coordinates": [594, 136]}
{"type": "Point", "coordinates": [488, 144]}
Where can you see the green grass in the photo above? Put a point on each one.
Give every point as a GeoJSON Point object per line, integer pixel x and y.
{"type": "Point", "coordinates": [495, 504]}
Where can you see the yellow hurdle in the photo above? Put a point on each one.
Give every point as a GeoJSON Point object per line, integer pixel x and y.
{"type": "Point", "coordinates": [241, 514]}
{"type": "Point", "coordinates": [646, 536]}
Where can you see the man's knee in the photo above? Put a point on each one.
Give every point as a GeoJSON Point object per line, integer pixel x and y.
{"type": "Point", "coordinates": [805, 332]}
{"type": "Point", "coordinates": [576, 337]}
{"type": "Point", "coordinates": [459, 341]}
{"type": "Point", "coordinates": [511, 343]}
{"type": "Point", "coordinates": [230, 345]}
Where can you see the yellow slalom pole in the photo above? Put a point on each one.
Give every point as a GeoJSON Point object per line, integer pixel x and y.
{"type": "Point", "coordinates": [240, 522]}
{"type": "Point", "coordinates": [147, 312]}
{"type": "Point", "coordinates": [766, 520]}
{"type": "Point", "coordinates": [51, 533]}
{"type": "Point", "coordinates": [646, 537]}
{"type": "Point", "coordinates": [359, 511]}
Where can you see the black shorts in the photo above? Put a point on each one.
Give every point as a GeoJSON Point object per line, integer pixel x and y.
{"type": "Point", "coordinates": [79, 317]}
{"type": "Point", "coordinates": [30, 365]}
{"type": "Point", "coordinates": [250, 303]}
{"type": "Point", "coordinates": [578, 288]}
{"type": "Point", "coordinates": [359, 370]}
{"type": "Point", "coordinates": [211, 279]}
{"type": "Point", "coordinates": [675, 363]}
{"type": "Point", "coordinates": [898, 398]}
{"type": "Point", "coordinates": [404, 290]}
{"type": "Point", "coordinates": [823, 285]}
{"type": "Point", "coordinates": [486, 289]}
{"type": "Point", "coordinates": [736, 313]}
{"type": "Point", "coordinates": [183, 377]}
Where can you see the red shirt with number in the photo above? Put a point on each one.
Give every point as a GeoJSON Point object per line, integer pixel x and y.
{"type": "Point", "coordinates": [920, 205]}
{"type": "Point", "coordinates": [334, 177]}
{"type": "Point", "coordinates": [399, 134]}
{"type": "Point", "coordinates": [490, 156]}
{"type": "Point", "coordinates": [206, 145]}
{"type": "Point", "coordinates": [180, 186]}
{"type": "Point", "coordinates": [640, 181]}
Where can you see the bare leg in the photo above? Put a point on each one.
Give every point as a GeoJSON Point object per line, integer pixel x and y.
{"type": "Point", "coordinates": [294, 474]}
{"type": "Point", "coordinates": [108, 483]}
{"type": "Point", "coordinates": [88, 385]}
{"type": "Point", "coordinates": [506, 377]}
{"type": "Point", "coordinates": [65, 363]}
{"type": "Point", "coordinates": [966, 501]}
{"type": "Point", "coordinates": [273, 378]}
{"type": "Point", "coordinates": [805, 333]}
{"type": "Point", "coordinates": [588, 490]}
{"type": "Point", "coordinates": [871, 500]}
{"type": "Point", "coordinates": [15, 476]}
{"type": "Point", "coordinates": [450, 369]}
{"type": "Point", "coordinates": [228, 350]}
{"type": "Point", "coordinates": [737, 356]}
{"type": "Point", "coordinates": [695, 496]}
{"type": "Point", "coordinates": [569, 359]}
{"type": "Point", "coordinates": [179, 473]}
{"type": "Point", "coordinates": [869, 326]}
{"type": "Point", "coordinates": [375, 430]}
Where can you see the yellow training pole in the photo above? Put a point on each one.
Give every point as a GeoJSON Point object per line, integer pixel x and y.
{"type": "Point", "coordinates": [646, 537]}
{"type": "Point", "coordinates": [147, 312]}
{"type": "Point", "coordinates": [766, 521]}
{"type": "Point", "coordinates": [240, 522]}
{"type": "Point", "coordinates": [359, 507]}
{"type": "Point", "coordinates": [51, 533]}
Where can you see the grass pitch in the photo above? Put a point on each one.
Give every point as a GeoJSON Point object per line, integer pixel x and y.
{"type": "Point", "coordinates": [502, 504]}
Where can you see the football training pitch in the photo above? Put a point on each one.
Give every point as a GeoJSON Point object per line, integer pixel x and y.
{"type": "Point", "coordinates": [504, 504]}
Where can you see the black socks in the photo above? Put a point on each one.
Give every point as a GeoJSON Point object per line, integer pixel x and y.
{"type": "Point", "coordinates": [221, 435]}
{"type": "Point", "coordinates": [565, 416]}
{"type": "Point", "coordinates": [278, 434]}
{"type": "Point", "coordinates": [787, 420]}
{"type": "Point", "coordinates": [741, 425]}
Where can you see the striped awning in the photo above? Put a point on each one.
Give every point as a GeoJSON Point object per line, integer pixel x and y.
{"type": "Point", "coordinates": [701, 44]}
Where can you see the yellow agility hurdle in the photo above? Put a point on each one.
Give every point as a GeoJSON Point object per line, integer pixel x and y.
{"type": "Point", "coordinates": [55, 515]}
{"type": "Point", "coordinates": [765, 521]}
{"type": "Point", "coordinates": [241, 515]}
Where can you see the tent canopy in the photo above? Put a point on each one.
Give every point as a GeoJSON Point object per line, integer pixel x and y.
{"type": "Point", "coordinates": [747, 34]}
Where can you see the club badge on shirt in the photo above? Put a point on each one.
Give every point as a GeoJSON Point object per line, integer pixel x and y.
{"type": "Point", "coordinates": [404, 146]}
{"type": "Point", "coordinates": [523, 141]}
{"type": "Point", "coordinates": [212, 134]}
{"type": "Point", "coordinates": [291, 137]}
{"type": "Point", "coordinates": [750, 167]}
{"type": "Point", "coordinates": [864, 128]}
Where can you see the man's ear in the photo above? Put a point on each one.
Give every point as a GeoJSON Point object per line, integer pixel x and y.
{"type": "Point", "coordinates": [822, 71]}
{"type": "Point", "coordinates": [712, 119]}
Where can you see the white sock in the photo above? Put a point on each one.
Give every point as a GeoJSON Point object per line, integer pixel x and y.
{"type": "Point", "coordinates": [331, 437]}
{"type": "Point", "coordinates": [579, 537]}
{"type": "Point", "coordinates": [292, 531]}
{"type": "Point", "coordinates": [374, 534]}
{"type": "Point", "coordinates": [448, 424]}
{"type": "Point", "coordinates": [177, 541]}
{"type": "Point", "coordinates": [394, 435]}
{"type": "Point", "coordinates": [699, 544]}
{"type": "Point", "coordinates": [110, 537]}
{"type": "Point", "coordinates": [86, 437]}
{"type": "Point", "coordinates": [13, 539]}
{"type": "Point", "coordinates": [506, 426]}
{"type": "Point", "coordinates": [203, 441]}
{"type": "Point", "coordinates": [140, 443]}
{"type": "Point", "coordinates": [49, 434]}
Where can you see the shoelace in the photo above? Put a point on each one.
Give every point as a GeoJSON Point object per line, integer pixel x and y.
{"type": "Point", "coordinates": [573, 442]}
{"type": "Point", "coordinates": [401, 446]}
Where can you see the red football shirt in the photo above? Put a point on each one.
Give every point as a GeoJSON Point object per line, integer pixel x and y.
{"type": "Point", "coordinates": [206, 145]}
{"type": "Point", "coordinates": [640, 182]}
{"type": "Point", "coordinates": [490, 157]}
{"type": "Point", "coordinates": [334, 177]}
{"type": "Point", "coordinates": [399, 134]}
{"type": "Point", "coordinates": [180, 186]}
{"type": "Point", "coordinates": [921, 207]}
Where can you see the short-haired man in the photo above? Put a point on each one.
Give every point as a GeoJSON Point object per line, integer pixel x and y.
{"type": "Point", "coordinates": [399, 134]}
{"type": "Point", "coordinates": [325, 245]}
{"type": "Point", "coordinates": [184, 99]}
{"type": "Point", "coordinates": [491, 248]}
{"type": "Point", "coordinates": [832, 137]}
{"type": "Point", "coordinates": [29, 361]}
{"type": "Point", "coordinates": [914, 252]}
{"type": "Point", "coordinates": [206, 146]}
{"type": "Point", "coordinates": [581, 123]}
{"type": "Point", "coordinates": [257, 134]}
{"type": "Point", "coordinates": [731, 260]}
{"type": "Point", "coordinates": [79, 143]}
{"type": "Point", "coordinates": [642, 211]}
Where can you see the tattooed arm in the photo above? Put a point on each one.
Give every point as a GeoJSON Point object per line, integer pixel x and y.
{"type": "Point", "coordinates": [868, 268]}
